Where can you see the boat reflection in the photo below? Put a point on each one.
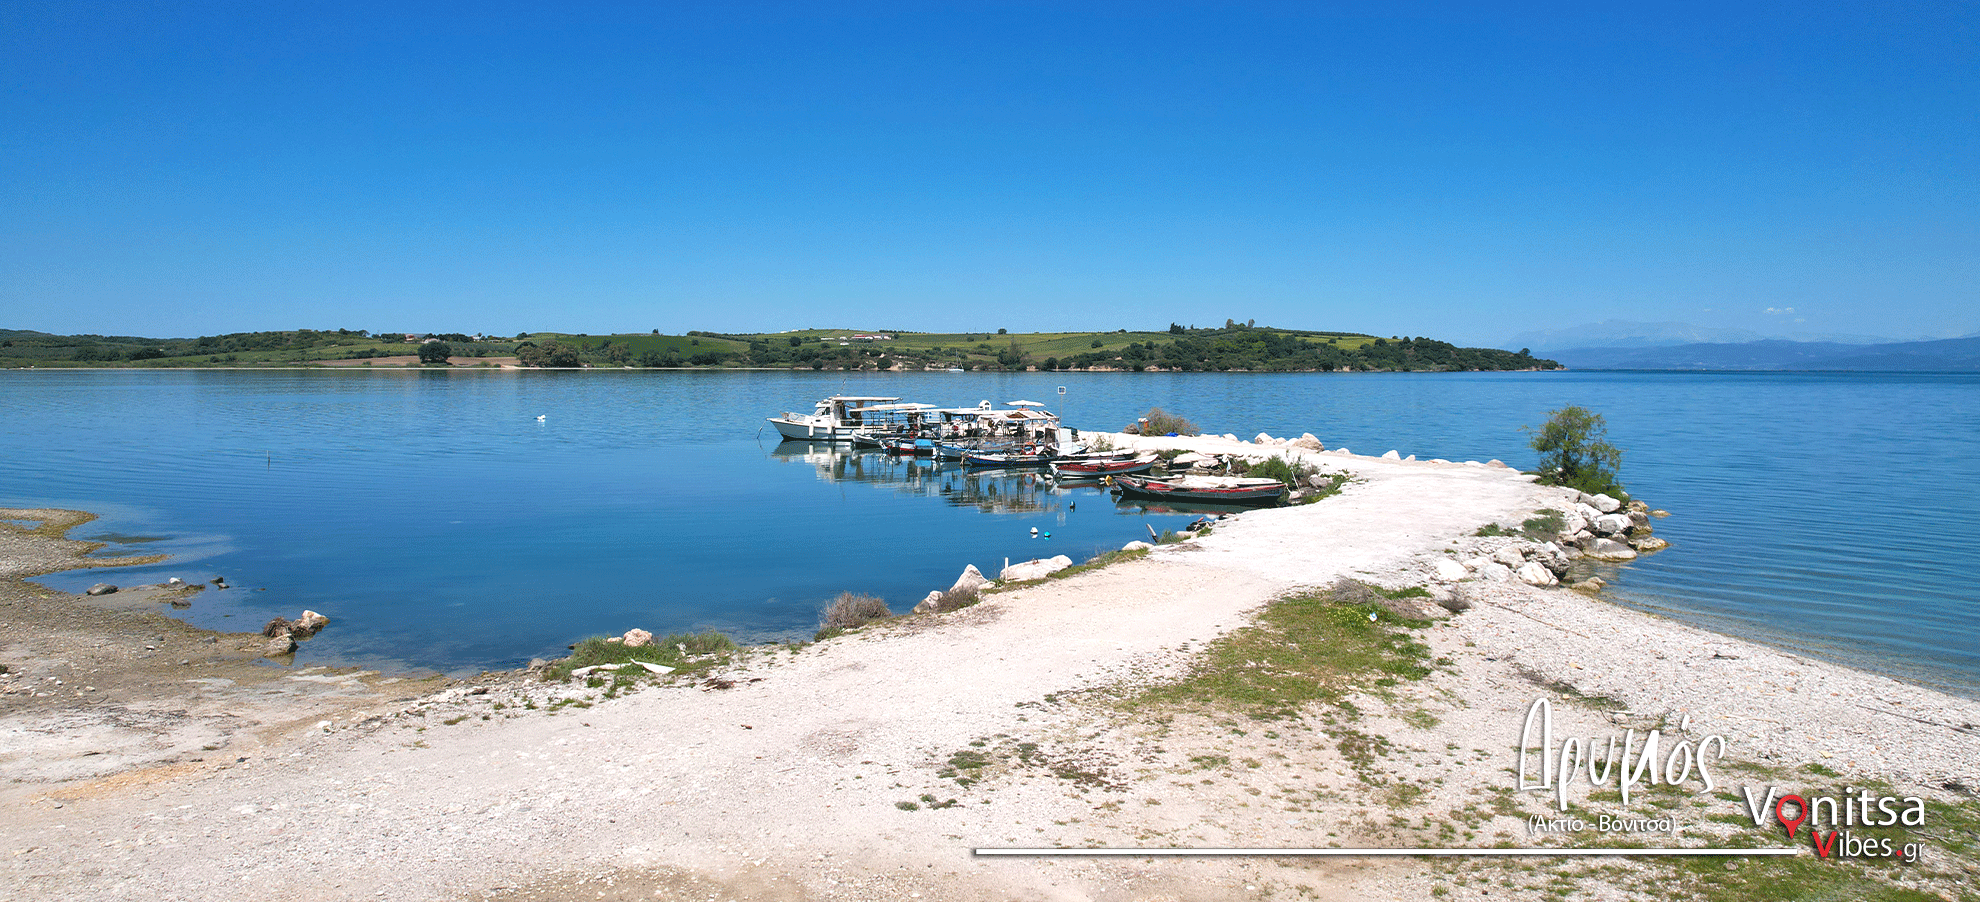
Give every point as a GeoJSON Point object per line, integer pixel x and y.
{"type": "Point", "coordinates": [991, 490]}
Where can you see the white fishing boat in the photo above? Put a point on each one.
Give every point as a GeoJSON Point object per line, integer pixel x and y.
{"type": "Point", "coordinates": [837, 418]}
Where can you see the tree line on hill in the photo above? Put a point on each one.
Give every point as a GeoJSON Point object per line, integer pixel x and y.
{"type": "Point", "coordinates": [1235, 347]}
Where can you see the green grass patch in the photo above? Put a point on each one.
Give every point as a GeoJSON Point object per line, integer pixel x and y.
{"type": "Point", "coordinates": [1304, 649]}
{"type": "Point", "coordinates": [687, 653]}
{"type": "Point", "coordinates": [1543, 526]}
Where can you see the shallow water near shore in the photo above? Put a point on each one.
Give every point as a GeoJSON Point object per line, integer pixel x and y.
{"type": "Point", "coordinates": [442, 525]}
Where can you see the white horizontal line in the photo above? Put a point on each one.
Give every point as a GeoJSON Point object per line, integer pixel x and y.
{"type": "Point", "coordinates": [1405, 852]}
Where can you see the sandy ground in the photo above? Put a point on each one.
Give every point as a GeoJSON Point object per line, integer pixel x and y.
{"type": "Point", "coordinates": [826, 772]}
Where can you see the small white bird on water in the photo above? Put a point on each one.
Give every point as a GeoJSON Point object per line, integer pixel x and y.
{"type": "Point", "coordinates": [540, 416]}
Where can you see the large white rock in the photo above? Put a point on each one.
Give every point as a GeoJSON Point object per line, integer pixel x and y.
{"type": "Point", "coordinates": [1451, 571]}
{"type": "Point", "coordinates": [1604, 503]}
{"type": "Point", "coordinates": [1533, 573]}
{"type": "Point", "coordinates": [1611, 524]}
{"type": "Point", "coordinates": [1136, 546]}
{"type": "Point", "coordinates": [928, 603]}
{"type": "Point", "coordinates": [1473, 564]}
{"type": "Point", "coordinates": [1495, 572]}
{"type": "Point", "coordinates": [1611, 550]}
{"type": "Point", "coordinates": [1585, 512]}
{"type": "Point", "coordinates": [1391, 454]}
{"type": "Point", "coordinates": [1571, 523]}
{"type": "Point", "coordinates": [1263, 439]}
{"type": "Point", "coordinates": [1038, 569]}
{"type": "Point", "coordinates": [971, 578]}
{"type": "Point", "coordinates": [637, 638]}
{"type": "Point", "coordinates": [1309, 443]}
{"type": "Point", "coordinates": [1509, 556]}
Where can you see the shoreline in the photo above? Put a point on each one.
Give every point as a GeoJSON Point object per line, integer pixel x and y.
{"type": "Point", "coordinates": [793, 783]}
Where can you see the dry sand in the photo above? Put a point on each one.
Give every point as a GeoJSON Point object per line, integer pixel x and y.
{"type": "Point", "coordinates": [795, 782]}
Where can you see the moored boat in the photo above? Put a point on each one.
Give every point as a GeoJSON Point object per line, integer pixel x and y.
{"type": "Point", "coordinates": [1006, 458]}
{"type": "Point", "coordinates": [838, 418]}
{"type": "Point", "coordinates": [1228, 489]}
{"type": "Point", "coordinates": [1087, 467]}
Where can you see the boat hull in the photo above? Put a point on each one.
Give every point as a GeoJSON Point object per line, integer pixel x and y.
{"type": "Point", "coordinates": [1093, 469]}
{"type": "Point", "coordinates": [1224, 490]}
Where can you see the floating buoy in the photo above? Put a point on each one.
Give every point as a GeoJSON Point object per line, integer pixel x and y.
{"type": "Point", "coordinates": [1034, 532]}
{"type": "Point", "coordinates": [540, 416]}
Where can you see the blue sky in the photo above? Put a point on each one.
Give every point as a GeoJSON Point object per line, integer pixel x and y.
{"type": "Point", "coordinates": [1464, 171]}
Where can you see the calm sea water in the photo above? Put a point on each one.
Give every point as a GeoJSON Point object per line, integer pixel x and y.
{"type": "Point", "coordinates": [442, 525]}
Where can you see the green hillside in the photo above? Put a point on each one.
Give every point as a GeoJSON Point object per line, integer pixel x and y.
{"type": "Point", "coordinates": [1234, 347]}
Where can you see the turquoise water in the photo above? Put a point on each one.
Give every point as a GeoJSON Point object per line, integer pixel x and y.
{"type": "Point", "coordinates": [444, 526]}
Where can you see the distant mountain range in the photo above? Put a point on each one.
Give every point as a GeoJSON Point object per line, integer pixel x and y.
{"type": "Point", "coordinates": [1618, 333]}
{"type": "Point", "coordinates": [1946, 354]}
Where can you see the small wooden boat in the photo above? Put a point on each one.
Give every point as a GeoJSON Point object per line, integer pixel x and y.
{"type": "Point", "coordinates": [1227, 489]}
{"type": "Point", "coordinates": [1008, 458]}
{"type": "Point", "coordinates": [1090, 468]}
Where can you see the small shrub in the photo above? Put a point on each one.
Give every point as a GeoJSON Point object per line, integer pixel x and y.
{"type": "Point", "coordinates": [1543, 525]}
{"type": "Point", "coordinates": [1161, 422]}
{"type": "Point", "coordinates": [1279, 468]}
{"type": "Point", "coordinates": [1574, 452]}
{"type": "Point", "coordinates": [957, 599]}
{"type": "Point", "coordinates": [850, 611]}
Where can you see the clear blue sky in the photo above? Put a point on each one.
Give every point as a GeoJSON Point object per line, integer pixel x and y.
{"type": "Point", "coordinates": [1464, 171]}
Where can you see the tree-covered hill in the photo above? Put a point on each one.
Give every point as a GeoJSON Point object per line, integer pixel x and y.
{"type": "Point", "coordinates": [1235, 347]}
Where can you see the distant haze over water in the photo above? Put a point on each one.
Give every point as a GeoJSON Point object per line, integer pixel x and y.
{"type": "Point", "coordinates": [442, 525]}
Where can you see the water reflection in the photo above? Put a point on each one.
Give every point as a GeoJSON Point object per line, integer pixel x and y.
{"type": "Point", "coordinates": [992, 491]}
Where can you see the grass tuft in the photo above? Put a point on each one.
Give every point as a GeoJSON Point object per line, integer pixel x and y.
{"type": "Point", "coordinates": [850, 611]}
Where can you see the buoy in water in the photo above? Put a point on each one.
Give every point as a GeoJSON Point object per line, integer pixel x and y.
{"type": "Point", "coordinates": [1034, 532]}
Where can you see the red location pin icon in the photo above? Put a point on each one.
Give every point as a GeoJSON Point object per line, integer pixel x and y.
{"type": "Point", "coordinates": [1800, 813]}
